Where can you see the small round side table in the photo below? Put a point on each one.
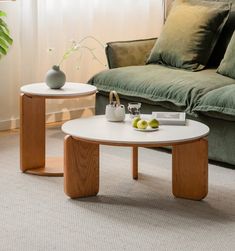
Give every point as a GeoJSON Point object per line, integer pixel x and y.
{"type": "Point", "coordinates": [32, 125]}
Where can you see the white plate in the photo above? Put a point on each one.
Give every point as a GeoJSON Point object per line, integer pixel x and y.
{"type": "Point", "coordinates": [148, 129]}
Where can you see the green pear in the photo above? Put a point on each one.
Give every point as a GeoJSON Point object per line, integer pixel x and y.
{"type": "Point", "coordinates": [142, 124]}
{"type": "Point", "coordinates": [153, 123]}
{"type": "Point", "coordinates": [135, 121]}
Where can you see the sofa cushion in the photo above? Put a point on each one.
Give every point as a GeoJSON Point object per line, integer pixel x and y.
{"type": "Point", "coordinates": [190, 34]}
{"type": "Point", "coordinates": [126, 53]}
{"type": "Point", "coordinates": [224, 37]}
{"type": "Point", "coordinates": [219, 103]}
{"type": "Point", "coordinates": [227, 65]}
{"type": "Point", "coordinates": [171, 88]}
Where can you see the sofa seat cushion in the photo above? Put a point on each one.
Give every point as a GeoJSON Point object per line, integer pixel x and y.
{"type": "Point", "coordinates": [219, 103]}
{"type": "Point", "coordinates": [171, 88]}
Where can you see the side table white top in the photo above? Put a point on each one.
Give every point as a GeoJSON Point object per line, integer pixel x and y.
{"type": "Point", "coordinates": [98, 129]}
{"type": "Point", "coordinates": [68, 90]}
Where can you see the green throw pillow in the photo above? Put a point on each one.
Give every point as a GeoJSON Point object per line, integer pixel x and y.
{"type": "Point", "coordinates": [190, 34]}
{"type": "Point", "coordinates": [227, 65]}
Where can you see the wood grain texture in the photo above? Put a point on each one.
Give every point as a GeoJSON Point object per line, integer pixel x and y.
{"type": "Point", "coordinates": [32, 132]}
{"type": "Point", "coordinates": [81, 168]}
{"type": "Point", "coordinates": [190, 170]}
{"type": "Point", "coordinates": [135, 163]}
{"type": "Point", "coordinates": [53, 168]}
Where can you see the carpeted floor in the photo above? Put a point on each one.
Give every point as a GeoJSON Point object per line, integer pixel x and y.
{"type": "Point", "coordinates": [35, 214]}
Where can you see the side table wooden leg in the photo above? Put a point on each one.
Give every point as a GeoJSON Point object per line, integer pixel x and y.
{"type": "Point", "coordinates": [135, 163]}
{"type": "Point", "coordinates": [81, 168]}
{"type": "Point", "coordinates": [32, 132]}
{"type": "Point", "coordinates": [190, 170]}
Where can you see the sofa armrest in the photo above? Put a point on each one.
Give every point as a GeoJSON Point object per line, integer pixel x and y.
{"type": "Point", "coordinates": [126, 53]}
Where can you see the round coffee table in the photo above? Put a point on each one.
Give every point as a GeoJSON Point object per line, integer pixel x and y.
{"type": "Point", "coordinates": [189, 153]}
{"type": "Point", "coordinates": [32, 125]}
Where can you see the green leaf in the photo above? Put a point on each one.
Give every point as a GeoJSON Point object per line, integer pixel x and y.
{"type": "Point", "coordinates": [2, 22]}
{"type": "Point", "coordinates": [3, 29]}
{"type": "Point", "coordinates": [2, 51]}
{"type": "Point", "coordinates": [2, 14]}
{"type": "Point", "coordinates": [3, 44]}
{"type": "Point", "coordinates": [5, 39]}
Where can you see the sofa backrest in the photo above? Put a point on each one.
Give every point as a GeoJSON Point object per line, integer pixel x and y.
{"type": "Point", "coordinates": [225, 35]}
{"type": "Point", "coordinates": [224, 38]}
{"type": "Point", "coordinates": [127, 53]}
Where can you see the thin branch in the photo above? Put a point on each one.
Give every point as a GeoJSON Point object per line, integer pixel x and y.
{"type": "Point", "coordinates": [76, 46]}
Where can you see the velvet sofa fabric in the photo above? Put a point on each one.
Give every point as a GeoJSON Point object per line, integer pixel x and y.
{"type": "Point", "coordinates": [190, 34]}
{"type": "Point", "coordinates": [224, 38]}
{"type": "Point", "coordinates": [227, 65]}
{"type": "Point", "coordinates": [137, 50]}
{"type": "Point", "coordinates": [218, 103]}
{"type": "Point", "coordinates": [172, 88]}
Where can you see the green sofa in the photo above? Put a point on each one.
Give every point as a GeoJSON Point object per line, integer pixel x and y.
{"type": "Point", "coordinates": [205, 95]}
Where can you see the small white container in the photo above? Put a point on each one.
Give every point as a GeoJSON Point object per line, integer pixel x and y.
{"type": "Point", "coordinates": [114, 111]}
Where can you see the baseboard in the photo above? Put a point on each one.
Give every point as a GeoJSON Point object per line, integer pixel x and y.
{"type": "Point", "coordinates": [51, 117]}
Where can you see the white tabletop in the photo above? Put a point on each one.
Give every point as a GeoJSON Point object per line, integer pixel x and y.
{"type": "Point", "coordinates": [69, 89]}
{"type": "Point", "coordinates": [98, 129]}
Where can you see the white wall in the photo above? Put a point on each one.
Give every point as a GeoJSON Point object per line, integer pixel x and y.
{"type": "Point", "coordinates": [37, 25]}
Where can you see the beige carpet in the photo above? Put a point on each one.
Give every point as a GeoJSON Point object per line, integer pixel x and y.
{"type": "Point", "coordinates": [35, 214]}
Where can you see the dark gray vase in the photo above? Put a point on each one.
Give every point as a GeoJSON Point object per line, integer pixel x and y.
{"type": "Point", "coordinates": [55, 78]}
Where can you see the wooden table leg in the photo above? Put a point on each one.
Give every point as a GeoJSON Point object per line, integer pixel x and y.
{"type": "Point", "coordinates": [135, 163]}
{"type": "Point", "coordinates": [81, 168]}
{"type": "Point", "coordinates": [32, 139]}
{"type": "Point", "coordinates": [32, 132]}
{"type": "Point", "coordinates": [190, 170]}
